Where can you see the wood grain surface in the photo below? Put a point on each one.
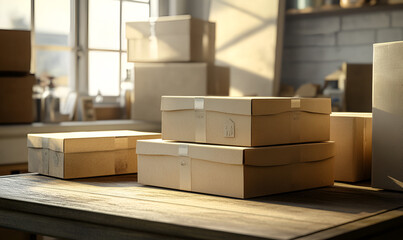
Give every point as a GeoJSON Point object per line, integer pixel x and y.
{"type": "Point", "coordinates": [125, 207]}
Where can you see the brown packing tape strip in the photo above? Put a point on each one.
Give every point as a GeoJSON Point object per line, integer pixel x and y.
{"type": "Point", "coordinates": [185, 168]}
{"type": "Point", "coordinates": [200, 120]}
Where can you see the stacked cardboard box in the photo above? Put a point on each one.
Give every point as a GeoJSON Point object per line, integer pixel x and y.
{"type": "Point", "coordinates": [231, 146]}
{"type": "Point", "coordinates": [173, 56]}
{"type": "Point", "coordinates": [15, 79]}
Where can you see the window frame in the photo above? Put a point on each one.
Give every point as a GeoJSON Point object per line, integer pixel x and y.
{"type": "Point", "coordinates": [79, 46]}
{"type": "Point", "coordinates": [83, 48]}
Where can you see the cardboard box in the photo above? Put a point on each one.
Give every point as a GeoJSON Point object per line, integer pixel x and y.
{"type": "Point", "coordinates": [153, 80]}
{"type": "Point", "coordinates": [239, 172]}
{"type": "Point", "coordinates": [171, 39]}
{"type": "Point", "coordinates": [387, 130]}
{"type": "Point", "coordinates": [352, 133]}
{"type": "Point", "coordinates": [245, 121]}
{"type": "Point", "coordinates": [15, 51]}
{"type": "Point", "coordinates": [16, 104]}
{"type": "Point", "coordinates": [357, 86]}
{"type": "Point", "coordinates": [84, 154]}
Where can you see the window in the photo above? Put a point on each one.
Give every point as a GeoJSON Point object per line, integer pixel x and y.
{"type": "Point", "coordinates": [66, 33]}
{"type": "Point", "coordinates": [107, 42]}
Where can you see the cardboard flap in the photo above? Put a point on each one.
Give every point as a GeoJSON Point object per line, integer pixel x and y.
{"type": "Point", "coordinates": [288, 154]}
{"type": "Point", "coordinates": [214, 153]}
{"type": "Point", "coordinates": [171, 25]}
{"type": "Point", "coordinates": [246, 105]}
{"type": "Point", "coordinates": [74, 142]}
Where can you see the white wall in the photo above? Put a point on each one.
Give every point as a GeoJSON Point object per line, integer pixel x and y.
{"type": "Point", "coordinates": [246, 39]}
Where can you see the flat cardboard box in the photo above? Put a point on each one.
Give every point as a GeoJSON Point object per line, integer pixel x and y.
{"type": "Point", "coordinates": [387, 110]}
{"type": "Point", "coordinates": [352, 133]}
{"type": "Point", "coordinates": [84, 154]}
{"type": "Point", "coordinates": [245, 121]}
{"type": "Point", "coordinates": [153, 80]}
{"type": "Point", "coordinates": [15, 51]}
{"type": "Point", "coordinates": [239, 172]}
{"type": "Point", "coordinates": [171, 39]}
{"type": "Point", "coordinates": [16, 104]}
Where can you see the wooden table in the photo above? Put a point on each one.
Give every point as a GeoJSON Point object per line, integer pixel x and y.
{"type": "Point", "coordinates": [120, 208]}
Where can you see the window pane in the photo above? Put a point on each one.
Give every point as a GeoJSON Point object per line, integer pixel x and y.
{"type": "Point", "coordinates": [103, 73]}
{"type": "Point", "coordinates": [15, 14]}
{"type": "Point", "coordinates": [103, 24]}
{"type": "Point", "coordinates": [53, 63]}
{"type": "Point", "coordinates": [52, 22]}
{"type": "Point", "coordinates": [132, 11]}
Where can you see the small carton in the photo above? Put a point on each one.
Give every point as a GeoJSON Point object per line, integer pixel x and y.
{"type": "Point", "coordinates": [387, 110]}
{"type": "Point", "coordinates": [245, 121]}
{"type": "Point", "coordinates": [171, 39]}
{"type": "Point", "coordinates": [153, 80]}
{"type": "Point", "coordinates": [15, 51]}
{"type": "Point", "coordinates": [352, 133]}
{"type": "Point", "coordinates": [240, 172]}
{"type": "Point", "coordinates": [84, 154]}
{"type": "Point", "coordinates": [16, 103]}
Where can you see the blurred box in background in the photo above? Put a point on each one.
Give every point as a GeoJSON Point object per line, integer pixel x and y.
{"type": "Point", "coordinates": [153, 80]}
{"type": "Point", "coordinates": [16, 103]}
{"type": "Point", "coordinates": [357, 87]}
{"type": "Point", "coordinates": [171, 39]}
{"type": "Point", "coordinates": [352, 133]}
{"type": "Point", "coordinates": [15, 51]}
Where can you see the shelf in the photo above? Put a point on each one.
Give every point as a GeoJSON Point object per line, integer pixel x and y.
{"type": "Point", "coordinates": [337, 10]}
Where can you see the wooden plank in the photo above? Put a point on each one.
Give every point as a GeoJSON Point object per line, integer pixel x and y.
{"type": "Point", "coordinates": [376, 227]}
{"type": "Point", "coordinates": [59, 227]}
{"type": "Point", "coordinates": [121, 201]}
{"type": "Point", "coordinates": [160, 217]}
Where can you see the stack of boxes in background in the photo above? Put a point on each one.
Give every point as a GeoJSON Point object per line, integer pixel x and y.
{"type": "Point", "coordinates": [173, 56]}
{"type": "Point", "coordinates": [266, 146]}
{"type": "Point", "coordinates": [16, 82]}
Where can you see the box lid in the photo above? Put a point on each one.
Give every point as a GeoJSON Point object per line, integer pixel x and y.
{"type": "Point", "coordinates": [169, 25]}
{"type": "Point", "coordinates": [256, 156]}
{"type": "Point", "coordinates": [246, 105]}
{"type": "Point", "coordinates": [351, 115]}
{"type": "Point", "coordinates": [72, 142]}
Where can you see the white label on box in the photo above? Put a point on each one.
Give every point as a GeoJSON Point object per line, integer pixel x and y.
{"type": "Point", "coordinates": [199, 104]}
{"type": "Point", "coordinates": [295, 103]}
{"type": "Point", "coordinates": [185, 178]}
{"type": "Point", "coordinates": [183, 150]}
{"type": "Point", "coordinates": [229, 128]}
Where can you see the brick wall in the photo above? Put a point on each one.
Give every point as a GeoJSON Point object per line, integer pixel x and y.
{"type": "Point", "coordinates": [315, 46]}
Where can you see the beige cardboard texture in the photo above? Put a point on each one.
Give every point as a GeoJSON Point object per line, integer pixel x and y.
{"type": "Point", "coordinates": [15, 49]}
{"type": "Point", "coordinates": [71, 142]}
{"type": "Point", "coordinates": [171, 39]}
{"type": "Point", "coordinates": [240, 172]}
{"type": "Point", "coordinates": [153, 80]}
{"type": "Point", "coordinates": [245, 121]}
{"type": "Point", "coordinates": [387, 110]}
{"type": "Point", "coordinates": [352, 133]}
{"type": "Point", "coordinates": [16, 104]}
{"type": "Point", "coordinates": [84, 154]}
